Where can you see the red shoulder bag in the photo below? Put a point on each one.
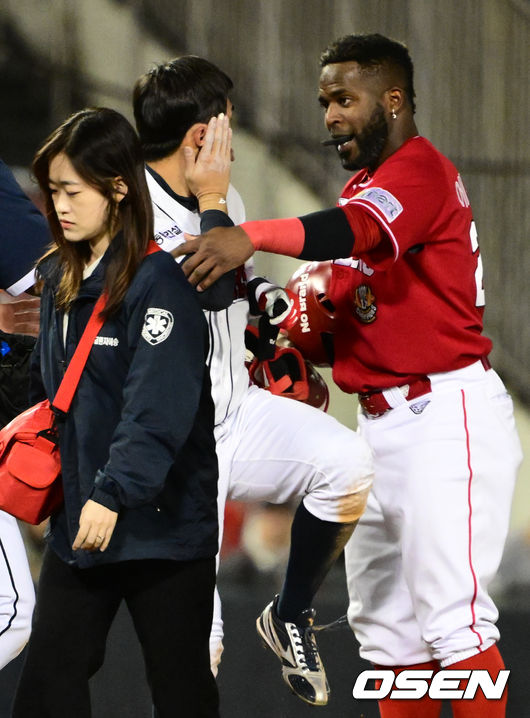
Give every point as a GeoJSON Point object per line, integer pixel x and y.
{"type": "Point", "coordinates": [30, 464]}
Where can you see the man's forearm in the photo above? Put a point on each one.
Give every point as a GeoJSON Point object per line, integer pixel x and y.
{"type": "Point", "coordinates": [317, 236]}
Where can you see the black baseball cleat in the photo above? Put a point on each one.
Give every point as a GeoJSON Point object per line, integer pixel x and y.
{"type": "Point", "coordinates": [296, 647]}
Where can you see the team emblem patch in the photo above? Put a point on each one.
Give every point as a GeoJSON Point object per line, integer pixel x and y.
{"type": "Point", "coordinates": [157, 325]}
{"type": "Point", "coordinates": [365, 308]}
{"type": "Point", "coordinates": [385, 202]}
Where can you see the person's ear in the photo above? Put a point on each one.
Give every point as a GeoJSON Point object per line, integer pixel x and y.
{"type": "Point", "coordinates": [120, 189]}
{"type": "Point", "coordinates": [394, 100]}
{"type": "Point", "coordinates": [197, 134]}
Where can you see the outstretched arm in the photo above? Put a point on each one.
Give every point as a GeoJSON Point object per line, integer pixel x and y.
{"type": "Point", "coordinates": [328, 234]}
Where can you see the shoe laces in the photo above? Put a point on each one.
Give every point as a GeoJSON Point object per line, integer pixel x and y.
{"type": "Point", "coordinates": [306, 647]}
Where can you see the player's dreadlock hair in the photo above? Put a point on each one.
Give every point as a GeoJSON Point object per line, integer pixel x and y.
{"type": "Point", "coordinates": [172, 97]}
{"type": "Point", "coordinates": [373, 53]}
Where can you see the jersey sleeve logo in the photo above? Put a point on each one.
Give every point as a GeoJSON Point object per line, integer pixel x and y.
{"type": "Point", "coordinates": [157, 326]}
{"type": "Point", "coordinates": [380, 198]}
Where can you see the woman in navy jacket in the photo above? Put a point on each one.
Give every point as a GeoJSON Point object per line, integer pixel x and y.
{"type": "Point", "coordinates": [139, 469]}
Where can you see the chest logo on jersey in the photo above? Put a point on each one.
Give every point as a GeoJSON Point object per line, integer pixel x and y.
{"type": "Point", "coordinates": [106, 341]}
{"type": "Point", "coordinates": [157, 326]}
{"type": "Point", "coordinates": [170, 233]}
{"type": "Point", "coordinates": [365, 308]}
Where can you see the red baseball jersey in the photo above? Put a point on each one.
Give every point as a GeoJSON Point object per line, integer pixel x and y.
{"type": "Point", "coordinates": [414, 304]}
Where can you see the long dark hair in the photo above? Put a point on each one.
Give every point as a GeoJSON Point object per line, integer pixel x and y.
{"type": "Point", "coordinates": [102, 146]}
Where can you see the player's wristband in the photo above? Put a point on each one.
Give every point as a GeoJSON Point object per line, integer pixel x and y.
{"type": "Point", "coordinates": [212, 200]}
{"type": "Point", "coordinates": [211, 218]}
{"type": "Point", "coordinates": [279, 236]}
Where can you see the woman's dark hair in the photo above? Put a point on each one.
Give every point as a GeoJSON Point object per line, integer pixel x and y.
{"type": "Point", "coordinates": [374, 53]}
{"type": "Point", "coordinates": [172, 97]}
{"type": "Point", "coordinates": [102, 147]}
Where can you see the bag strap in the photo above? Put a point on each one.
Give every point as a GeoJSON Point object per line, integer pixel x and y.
{"type": "Point", "coordinates": [65, 392]}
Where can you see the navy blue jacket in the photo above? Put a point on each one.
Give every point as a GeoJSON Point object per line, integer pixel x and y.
{"type": "Point", "coordinates": [139, 435]}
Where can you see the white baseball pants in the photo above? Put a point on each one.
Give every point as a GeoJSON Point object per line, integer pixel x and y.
{"type": "Point", "coordinates": [17, 595]}
{"type": "Point", "coordinates": [277, 450]}
{"type": "Point", "coordinates": [431, 538]}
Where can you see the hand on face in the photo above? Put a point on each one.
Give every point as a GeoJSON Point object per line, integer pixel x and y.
{"type": "Point", "coordinates": [207, 173]}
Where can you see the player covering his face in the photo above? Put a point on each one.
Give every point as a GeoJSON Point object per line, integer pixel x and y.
{"type": "Point", "coordinates": [270, 448]}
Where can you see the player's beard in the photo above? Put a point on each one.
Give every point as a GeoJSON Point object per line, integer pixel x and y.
{"type": "Point", "coordinates": [370, 143]}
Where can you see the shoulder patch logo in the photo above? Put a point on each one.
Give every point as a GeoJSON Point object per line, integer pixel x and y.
{"type": "Point", "coordinates": [157, 326]}
{"type": "Point", "coordinates": [385, 202]}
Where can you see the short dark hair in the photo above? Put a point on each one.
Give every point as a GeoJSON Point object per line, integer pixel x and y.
{"type": "Point", "coordinates": [373, 52]}
{"type": "Point", "coordinates": [172, 97]}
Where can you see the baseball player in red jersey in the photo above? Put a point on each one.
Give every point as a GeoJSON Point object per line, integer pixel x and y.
{"type": "Point", "coordinates": [407, 287]}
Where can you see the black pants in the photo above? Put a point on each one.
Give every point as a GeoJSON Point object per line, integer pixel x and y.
{"type": "Point", "coordinates": [171, 605]}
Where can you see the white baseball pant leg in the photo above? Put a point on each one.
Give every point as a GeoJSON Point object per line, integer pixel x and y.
{"type": "Point", "coordinates": [277, 450]}
{"type": "Point", "coordinates": [17, 595]}
{"type": "Point", "coordinates": [432, 536]}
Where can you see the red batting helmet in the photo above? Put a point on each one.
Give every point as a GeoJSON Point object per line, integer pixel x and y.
{"type": "Point", "coordinates": [312, 333]}
{"type": "Point", "coordinates": [289, 374]}
{"type": "Point", "coordinates": [318, 389]}
{"type": "Point", "coordinates": [286, 373]}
